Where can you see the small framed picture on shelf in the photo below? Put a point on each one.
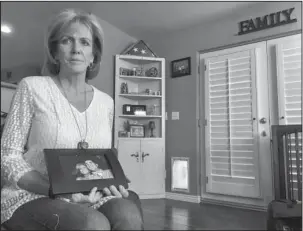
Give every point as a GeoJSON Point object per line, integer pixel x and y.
{"type": "Point", "coordinates": [137, 130]}
{"type": "Point", "coordinates": [139, 110]}
{"type": "Point", "coordinates": [180, 67]}
{"type": "Point", "coordinates": [127, 109]}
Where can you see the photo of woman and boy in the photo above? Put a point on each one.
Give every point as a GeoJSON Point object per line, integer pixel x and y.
{"type": "Point", "coordinates": [89, 170]}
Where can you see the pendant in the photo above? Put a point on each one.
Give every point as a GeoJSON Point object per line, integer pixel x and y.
{"type": "Point", "coordinates": [82, 145]}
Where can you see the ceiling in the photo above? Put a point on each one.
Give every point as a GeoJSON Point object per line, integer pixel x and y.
{"type": "Point", "coordinates": [138, 19]}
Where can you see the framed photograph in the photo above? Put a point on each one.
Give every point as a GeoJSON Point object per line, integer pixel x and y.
{"type": "Point", "coordinates": [139, 110]}
{"type": "Point", "coordinates": [137, 130]}
{"type": "Point", "coordinates": [79, 170]}
{"type": "Point", "coordinates": [180, 67]}
{"type": "Point", "coordinates": [127, 109]}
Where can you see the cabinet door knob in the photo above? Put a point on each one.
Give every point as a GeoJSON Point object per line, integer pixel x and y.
{"type": "Point", "coordinates": [135, 155]}
{"type": "Point", "coordinates": [144, 155]}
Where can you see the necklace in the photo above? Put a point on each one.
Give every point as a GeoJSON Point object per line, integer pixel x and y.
{"type": "Point", "coordinates": [82, 144]}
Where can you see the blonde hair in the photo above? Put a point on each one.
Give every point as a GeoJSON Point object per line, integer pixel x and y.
{"type": "Point", "coordinates": [57, 26]}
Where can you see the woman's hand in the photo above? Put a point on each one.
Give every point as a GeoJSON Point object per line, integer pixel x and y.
{"type": "Point", "coordinates": [92, 198]}
{"type": "Point", "coordinates": [113, 191]}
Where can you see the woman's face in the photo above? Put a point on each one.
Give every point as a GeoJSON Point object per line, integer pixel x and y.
{"type": "Point", "coordinates": [83, 169]}
{"type": "Point", "coordinates": [91, 165]}
{"type": "Point", "coordinates": [75, 48]}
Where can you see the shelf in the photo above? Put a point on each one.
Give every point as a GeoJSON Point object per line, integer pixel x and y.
{"type": "Point", "coordinates": [139, 57]}
{"type": "Point", "coordinates": [140, 77]}
{"type": "Point", "coordinates": [135, 96]}
{"type": "Point", "coordinates": [140, 117]}
{"type": "Point", "coordinates": [137, 138]}
{"type": "Point", "coordinates": [141, 90]}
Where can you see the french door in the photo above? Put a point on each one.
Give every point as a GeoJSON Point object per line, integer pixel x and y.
{"type": "Point", "coordinates": [246, 90]}
{"type": "Point", "coordinates": [237, 119]}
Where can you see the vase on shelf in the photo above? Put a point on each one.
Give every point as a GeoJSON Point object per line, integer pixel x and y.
{"type": "Point", "coordinates": [152, 126]}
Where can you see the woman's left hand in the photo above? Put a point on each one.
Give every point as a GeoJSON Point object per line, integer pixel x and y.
{"type": "Point", "coordinates": [113, 191]}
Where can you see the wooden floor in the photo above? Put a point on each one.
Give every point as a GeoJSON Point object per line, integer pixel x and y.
{"type": "Point", "coordinates": [165, 214]}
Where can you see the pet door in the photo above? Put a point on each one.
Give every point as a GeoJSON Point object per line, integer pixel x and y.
{"type": "Point", "coordinates": [180, 170]}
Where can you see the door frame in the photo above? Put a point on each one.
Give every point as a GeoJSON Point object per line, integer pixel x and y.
{"type": "Point", "coordinates": [201, 129]}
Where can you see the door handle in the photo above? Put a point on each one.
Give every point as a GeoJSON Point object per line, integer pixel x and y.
{"type": "Point", "coordinates": [144, 155]}
{"type": "Point", "coordinates": [263, 120]}
{"type": "Point", "coordinates": [263, 133]}
{"type": "Point", "coordinates": [135, 155]}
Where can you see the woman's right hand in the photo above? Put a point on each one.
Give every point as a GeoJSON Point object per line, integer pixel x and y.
{"type": "Point", "coordinates": [91, 198]}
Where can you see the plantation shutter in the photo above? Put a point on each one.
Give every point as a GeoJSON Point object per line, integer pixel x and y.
{"type": "Point", "coordinates": [289, 78]}
{"type": "Point", "coordinates": [231, 130]}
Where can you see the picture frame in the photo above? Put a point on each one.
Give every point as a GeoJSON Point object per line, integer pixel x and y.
{"type": "Point", "coordinates": [139, 109]}
{"type": "Point", "coordinates": [80, 170]}
{"type": "Point", "coordinates": [181, 67]}
{"type": "Point", "coordinates": [127, 109]}
{"type": "Point", "coordinates": [137, 130]}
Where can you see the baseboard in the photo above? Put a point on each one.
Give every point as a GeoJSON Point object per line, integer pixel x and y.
{"type": "Point", "coordinates": [151, 196]}
{"type": "Point", "coordinates": [234, 205]}
{"type": "Point", "coordinates": [183, 197]}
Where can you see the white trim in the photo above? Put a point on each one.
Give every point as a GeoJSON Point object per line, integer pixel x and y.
{"type": "Point", "coordinates": [234, 205]}
{"type": "Point", "coordinates": [152, 196]}
{"type": "Point", "coordinates": [183, 197]}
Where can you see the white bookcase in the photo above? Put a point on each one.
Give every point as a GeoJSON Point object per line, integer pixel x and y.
{"type": "Point", "coordinates": [141, 151]}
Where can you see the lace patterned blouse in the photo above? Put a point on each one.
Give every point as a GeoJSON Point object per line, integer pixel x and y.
{"type": "Point", "coordinates": [39, 118]}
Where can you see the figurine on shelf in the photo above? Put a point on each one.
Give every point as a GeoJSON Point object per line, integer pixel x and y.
{"type": "Point", "coordinates": [148, 91]}
{"type": "Point", "coordinates": [127, 127]}
{"type": "Point", "coordinates": [155, 109]}
{"type": "Point", "coordinates": [140, 71]}
{"type": "Point", "coordinates": [152, 126]}
{"type": "Point", "coordinates": [124, 88]}
{"type": "Point", "coordinates": [134, 71]}
{"type": "Point", "coordinates": [152, 72]}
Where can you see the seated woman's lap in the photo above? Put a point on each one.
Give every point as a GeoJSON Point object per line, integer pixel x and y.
{"type": "Point", "coordinates": [46, 213]}
{"type": "Point", "coordinates": [49, 214]}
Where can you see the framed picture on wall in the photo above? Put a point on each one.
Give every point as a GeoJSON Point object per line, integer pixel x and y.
{"type": "Point", "coordinates": [180, 67]}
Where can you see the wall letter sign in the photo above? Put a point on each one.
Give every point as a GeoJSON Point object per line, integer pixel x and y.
{"type": "Point", "coordinates": [268, 21]}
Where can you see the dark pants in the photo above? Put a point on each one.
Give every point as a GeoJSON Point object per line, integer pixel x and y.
{"type": "Point", "coordinates": [48, 214]}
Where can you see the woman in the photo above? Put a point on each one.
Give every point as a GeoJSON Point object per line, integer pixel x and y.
{"type": "Point", "coordinates": [61, 110]}
{"type": "Point", "coordinates": [83, 173]}
{"type": "Point", "coordinates": [97, 172]}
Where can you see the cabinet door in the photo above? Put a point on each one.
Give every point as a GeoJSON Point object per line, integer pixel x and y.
{"type": "Point", "coordinates": [131, 164]}
{"type": "Point", "coordinates": [153, 167]}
